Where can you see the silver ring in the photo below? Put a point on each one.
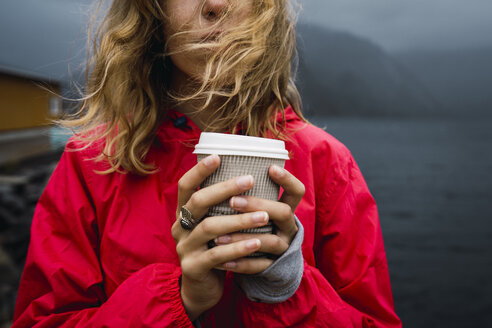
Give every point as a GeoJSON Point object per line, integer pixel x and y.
{"type": "Point", "coordinates": [186, 219]}
{"type": "Point", "coordinates": [186, 224]}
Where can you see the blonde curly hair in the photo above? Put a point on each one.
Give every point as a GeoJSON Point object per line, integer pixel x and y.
{"type": "Point", "coordinates": [247, 78]}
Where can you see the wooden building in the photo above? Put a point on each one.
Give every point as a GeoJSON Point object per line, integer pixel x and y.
{"type": "Point", "coordinates": [27, 101]}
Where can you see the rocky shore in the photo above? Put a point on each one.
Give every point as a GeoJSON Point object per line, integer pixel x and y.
{"type": "Point", "coordinates": [21, 184]}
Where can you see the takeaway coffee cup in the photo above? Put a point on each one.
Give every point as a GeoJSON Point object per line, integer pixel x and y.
{"type": "Point", "coordinates": [243, 155]}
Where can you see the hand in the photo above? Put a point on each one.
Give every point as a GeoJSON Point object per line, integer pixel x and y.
{"type": "Point", "coordinates": [201, 284]}
{"type": "Point", "coordinates": [281, 213]}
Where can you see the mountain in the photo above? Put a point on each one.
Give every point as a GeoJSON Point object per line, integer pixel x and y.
{"type": "Point", "coordinates": [461, 78]}
{"type": "Point", "coordinates": [340, 74]}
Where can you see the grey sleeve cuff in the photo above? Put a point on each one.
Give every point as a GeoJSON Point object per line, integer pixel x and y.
{"type": "Point", "coordinates": [279, 281]}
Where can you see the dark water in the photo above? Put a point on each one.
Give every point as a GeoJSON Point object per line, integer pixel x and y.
{"type": "Point", "coordinates": [432, 180]}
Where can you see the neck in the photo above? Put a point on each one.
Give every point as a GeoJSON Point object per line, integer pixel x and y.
{"type": "Point", "coordinates": [182, 84]}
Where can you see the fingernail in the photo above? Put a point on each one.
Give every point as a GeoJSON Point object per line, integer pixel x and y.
{"type": "Point", "coordinates": [223, 239]}
{"type": "Point", "coordinates": [209, 160]}
{"type": "Point", "coordinates": [260, 217]}
{"type": "Point", "coordinates": [229, 265]}
{"type": "Point", "coordinates": [253, 244]}
{"type": "Point", "coordinates": [245, 181]}
{"type": "Point", "coordinates": [237, 202]}
{"type": "Point", "coordinates": [279, 172]}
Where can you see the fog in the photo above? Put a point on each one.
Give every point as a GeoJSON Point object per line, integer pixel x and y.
{"type": "Point", "coordinates": [43, 36]}
{"type": "Point", "coordinates": [407, 25]}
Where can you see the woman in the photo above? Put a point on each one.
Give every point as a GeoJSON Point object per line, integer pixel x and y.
{"type": "Point", "coordinates": [109, 246]}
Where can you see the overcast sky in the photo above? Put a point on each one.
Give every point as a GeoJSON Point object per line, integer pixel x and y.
{"type": "Point", "coordinates": [408, 24]}
{"type": "Point", "coordinates": [41, 35]}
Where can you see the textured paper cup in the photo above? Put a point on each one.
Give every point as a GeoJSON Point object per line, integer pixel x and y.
{"type": "Point", "coordinates": [243, 155]}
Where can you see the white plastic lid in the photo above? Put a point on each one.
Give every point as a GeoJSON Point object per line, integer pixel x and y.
{"type": "Point", "coordinates": [231, 144]}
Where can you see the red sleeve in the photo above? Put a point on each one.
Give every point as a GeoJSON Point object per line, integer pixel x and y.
{"type": "Point", "coordinates": [350, 286]}
{"type": "Point", "coordinates": [62, 283]}
{"type": "Point", "coordinates": [349, 246]}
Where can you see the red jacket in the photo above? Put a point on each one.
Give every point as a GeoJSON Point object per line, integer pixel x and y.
{"type": "Point", "coordinates": [102, 255]}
